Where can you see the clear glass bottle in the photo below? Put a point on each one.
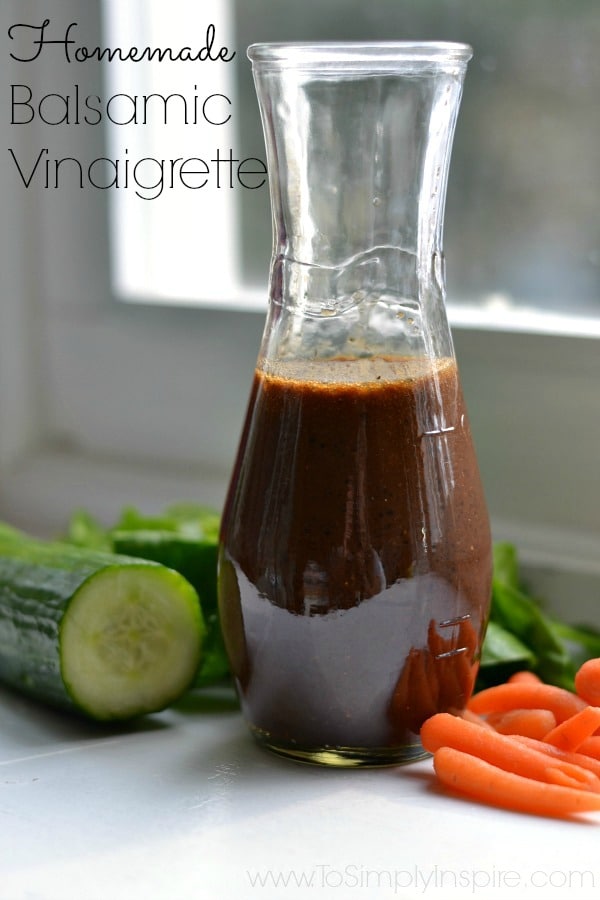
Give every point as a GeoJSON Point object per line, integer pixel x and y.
{"type": "Point", "coordinates": [355, 558]}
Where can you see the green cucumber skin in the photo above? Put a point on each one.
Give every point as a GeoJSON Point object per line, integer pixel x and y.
{"type": "Point", "coordinates": [37, 583]}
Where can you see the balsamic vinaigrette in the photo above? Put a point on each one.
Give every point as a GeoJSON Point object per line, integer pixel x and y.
{"type": "Point", "coordinates": [355, 556]}
{"type": "Point", "coordinates": [355, 552]}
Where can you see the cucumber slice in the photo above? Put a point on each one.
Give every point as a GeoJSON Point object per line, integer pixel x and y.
{"type": "Point", "coordinates": [108, 635]}
{"type": "Point", "coordinates": [129, 641]}
{"type": "Point", "coordinates": [195, 557]}
{"type": "Point", "coordinates": [183, 537]}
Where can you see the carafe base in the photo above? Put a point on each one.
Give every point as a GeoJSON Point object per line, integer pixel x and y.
{"type": "Point", "coordinates": [342, 757]}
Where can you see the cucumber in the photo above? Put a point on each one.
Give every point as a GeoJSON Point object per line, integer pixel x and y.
{"type": "Point", "coordinates": [106, 635]}
{"type": "Point", "coordinates": [185, 538]}
{"type": "Point", "coordinates": [195, 557]}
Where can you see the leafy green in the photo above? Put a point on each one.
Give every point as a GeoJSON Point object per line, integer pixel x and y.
{"type": "Point", "coordinates": [191, 519]}
{"type": "Point", "coordinates": [581, 643]}
{"type": "Point", "coordinates": [7, 531]}
{"type": "Point", "coordinates": [522, 635]}
{"type": "Point", "coordinates": [506, 565]}
{"type": "Point", "coordinates": [84, 530]}
{"type": "Point", "coordinates": [502, 647]}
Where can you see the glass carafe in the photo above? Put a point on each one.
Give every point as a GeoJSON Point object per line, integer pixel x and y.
{"type": "Point", "coordinates": [355, 557]}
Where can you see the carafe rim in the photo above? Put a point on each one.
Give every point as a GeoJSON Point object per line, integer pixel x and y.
{"type": "Point", "coordinates": [359, 55]}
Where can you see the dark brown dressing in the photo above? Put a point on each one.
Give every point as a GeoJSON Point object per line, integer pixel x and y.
{"type": "Point", "coordinates": [355, 556]}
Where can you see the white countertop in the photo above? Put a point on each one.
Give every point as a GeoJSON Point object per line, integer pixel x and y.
{"type": "Point", "coordinates": [185, 805]}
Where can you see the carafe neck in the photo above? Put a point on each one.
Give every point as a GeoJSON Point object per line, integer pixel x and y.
{"type": "Point", "coordinates": [358, 142]}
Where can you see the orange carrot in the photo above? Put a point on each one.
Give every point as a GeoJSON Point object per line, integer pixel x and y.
{"type": "Point", "coordinates": [487, 783]}
{"type": "Point", "coordinates": [504, 697]}
{"type": "Point", "coordinates": [472, 717]}
{"type": "Point", "coordinates": [557, 776]}
{"type": "Point", "coordinates": [578, 759]}
{"type": "Point", "coordinates": [524, 677]}
{"type": "Point", "coordinates": [571, 733]}
{"type": "Point", "coordinates": [445, 730]}
{"type": "Point", "coordinates": [587, 681]}
{"type": "Point", "coordinates": [591, 747]}
{"type": "Point", "coordinates": [535, 723]}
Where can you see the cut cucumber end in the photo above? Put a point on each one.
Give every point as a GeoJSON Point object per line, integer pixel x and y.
{"type": "Point", "coordinates": [130, 641]}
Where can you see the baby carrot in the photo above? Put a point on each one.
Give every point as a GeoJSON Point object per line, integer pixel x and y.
{"type": "Point", "coordinates": [557, 776]}
{"type": "Point", "coordinates": [503, 697]}
{"type": "Point", "coordinates": [524, 677]}
{"type": "Point", "coordinates": [446, 730]}
{"type": "Point", "coordinates": [535, 723]}
{"type": "Point", "coordinates": [469, 716]}
{"type": "Point", "coordinates": [487, 783]}
{"type": "Point", "coordinates": [587, 681]}
{"type": "Point", "coordinates": [577, 758]}
{"type": "Point", "coordinates": [572, 733]}
{"type": "Point", "coordinates": [591, 747]}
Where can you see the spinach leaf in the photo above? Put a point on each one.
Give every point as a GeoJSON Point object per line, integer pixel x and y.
{"type": "Point", "coordinates": [550, 648]}
{"type": "Point", "coordinates": [501, 646]}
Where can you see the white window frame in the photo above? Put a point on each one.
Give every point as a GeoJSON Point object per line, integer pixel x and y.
{"type": "Point", "coordinates": [103, 404]}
